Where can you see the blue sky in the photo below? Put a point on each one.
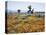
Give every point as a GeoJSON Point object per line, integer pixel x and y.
{"type": "Point", "coordinates": [15, 5]}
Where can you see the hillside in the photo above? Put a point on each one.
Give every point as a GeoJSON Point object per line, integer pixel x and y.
{"type": "Point", "coordinates": [19, 23]}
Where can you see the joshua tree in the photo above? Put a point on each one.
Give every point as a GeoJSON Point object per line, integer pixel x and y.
{"type": "Point", "coordinates": [32, 11]}
{"type": "Point", "coordinates": [19, 10]}
{"type": "Point", "coordinates": [29, 7]}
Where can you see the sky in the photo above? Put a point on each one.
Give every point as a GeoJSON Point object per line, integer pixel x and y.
{"type": "Point", "coordinates": [23, 6]}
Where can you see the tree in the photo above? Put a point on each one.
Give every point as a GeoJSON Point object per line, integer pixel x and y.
{"type": "Point", "coordinates": [19, 10]}
{"type": "Point", "coordinates": [29, 7]}
{"type": "Point", "coordinates": [32, 11]}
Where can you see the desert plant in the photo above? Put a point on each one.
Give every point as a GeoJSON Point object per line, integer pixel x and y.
{"type": "Point", "coordinates": [30, 11]}
{"type": "Point", "coordinates": [29, 7]}
{"type": "Point", "coordinates": [19, 10]}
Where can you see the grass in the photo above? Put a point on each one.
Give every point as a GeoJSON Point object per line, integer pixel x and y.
{"type": "Point", "coordinates": [22, 24]}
